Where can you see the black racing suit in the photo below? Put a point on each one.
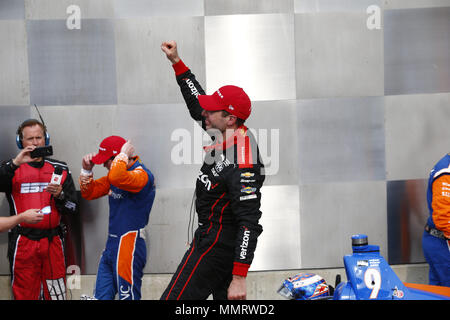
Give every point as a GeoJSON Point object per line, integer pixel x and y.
{"type": "Point", "coordinates": [228, 206]}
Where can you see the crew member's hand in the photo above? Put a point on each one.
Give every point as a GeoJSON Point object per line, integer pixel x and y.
{"type": "Point", "coordinates": [24, 156]}
{"type": "Point", "coordinates": [170, 49]}
{"type": "Point", "coordinates": [237, 289]}
{"type": "Point", "coordinates": [31, 216]}
{"type": "Point", "coordinates": [54, 189]}
{"type": "Point", "coordinates": [128, 149]}
{"type": "Point", "coordinates": [87, 163]}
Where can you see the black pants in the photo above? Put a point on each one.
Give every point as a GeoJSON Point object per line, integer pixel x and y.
{"type": "Point", "coordinates": [205, 268]}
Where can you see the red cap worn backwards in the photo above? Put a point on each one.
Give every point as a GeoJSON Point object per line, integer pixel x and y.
{"type": "Point", "coordinates": [109, 147]}
{"type": "Point", "coordinates": [229, 98]}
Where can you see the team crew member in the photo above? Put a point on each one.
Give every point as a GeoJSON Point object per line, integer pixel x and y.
{"type": "Point", "coordinates": [30, 216]}
{"type": "Point", "coordinates": [36, 251]}
{"type": "Point", "coordinates": [131, 190]}
{"type": "Point", "coordinates": [227, 193]}
{"type": "Point", "coordinates": [436, 237]}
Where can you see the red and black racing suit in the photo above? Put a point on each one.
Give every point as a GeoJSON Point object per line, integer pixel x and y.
{"type": "Point", "coordinates": [36, 251]}
{"type": "Point", "coordinates": [228, 206]}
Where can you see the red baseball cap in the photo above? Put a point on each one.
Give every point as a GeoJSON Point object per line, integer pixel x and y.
{"type": "Point", "coordinates": [229, 98]}
{"type": "Point", "coordinates": [109, 147]}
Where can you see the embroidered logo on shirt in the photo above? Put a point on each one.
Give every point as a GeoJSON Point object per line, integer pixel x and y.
{"type": "Point", "coordinates": [34, 187]}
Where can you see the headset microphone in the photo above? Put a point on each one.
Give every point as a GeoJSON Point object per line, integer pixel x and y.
{"type": "Point", "coordinates": [57, 175]}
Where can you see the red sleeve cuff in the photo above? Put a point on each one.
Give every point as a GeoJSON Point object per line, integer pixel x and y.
{"type": "Point", "coordinates": [240, 269]}
{"type": "Point", "coordinates": [180, 67]}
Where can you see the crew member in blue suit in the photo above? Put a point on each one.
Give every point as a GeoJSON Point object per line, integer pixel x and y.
{"type": "Point", "coordinates": [436, 237]}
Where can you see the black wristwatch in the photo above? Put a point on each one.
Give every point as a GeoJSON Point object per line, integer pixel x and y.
{"type": "Point", "coordinates": [61, 195]}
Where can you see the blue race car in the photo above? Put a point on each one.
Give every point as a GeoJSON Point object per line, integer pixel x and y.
{"type": "Point", "coordinates": [369, 278]}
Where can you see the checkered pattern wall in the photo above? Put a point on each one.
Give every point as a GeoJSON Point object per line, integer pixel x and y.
{"type": "Point", "coordinates": [356, 94]}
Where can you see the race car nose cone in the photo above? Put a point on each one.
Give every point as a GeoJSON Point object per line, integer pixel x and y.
{"type": "Point", "coordinates": [359, 240]}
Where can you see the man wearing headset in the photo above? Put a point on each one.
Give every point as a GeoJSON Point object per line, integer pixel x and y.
{"type": "Point", "coordinates": [36, 251]}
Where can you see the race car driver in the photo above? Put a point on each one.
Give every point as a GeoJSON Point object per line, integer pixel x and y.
{"type": "Point", "coordinates": [436, 237]}
{"type": "Point", "coordinates": [29, 216]}
{"type": "Point", "coordinates": [227, 193]}
{"type": "Point", "coordinates": [36, 251]}
{"type": "Point", "coordinates": [130, 188]}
